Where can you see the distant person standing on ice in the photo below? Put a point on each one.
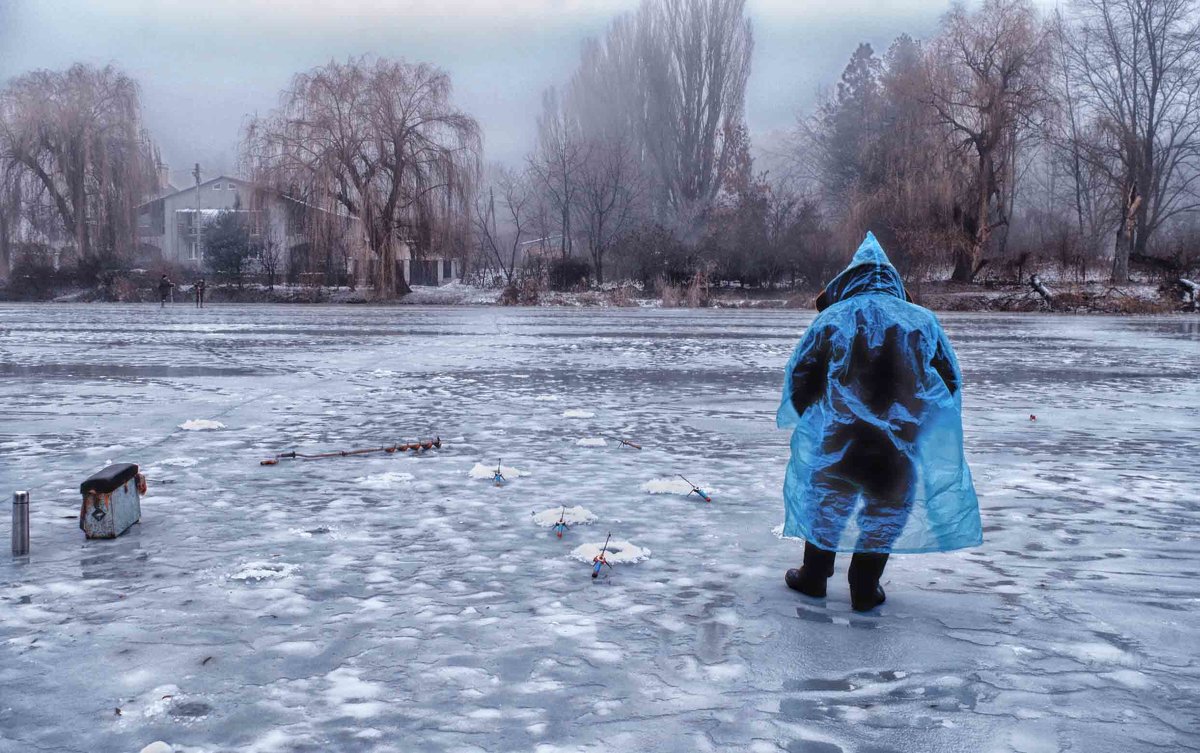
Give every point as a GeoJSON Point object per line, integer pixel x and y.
{"type": "Point", "coordinates": [873, 391]}
{"type": "Point", "coordinates": [198, 287]}
{"type": "Point", "coordinates": [164, 289]}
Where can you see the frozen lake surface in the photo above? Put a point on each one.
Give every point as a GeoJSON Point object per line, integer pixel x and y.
{"type": "Point", "coordinates": [394, 603]}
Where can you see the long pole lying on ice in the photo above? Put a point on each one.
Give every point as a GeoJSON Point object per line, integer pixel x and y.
{"type": "Point", "coordinates": [428, 444]}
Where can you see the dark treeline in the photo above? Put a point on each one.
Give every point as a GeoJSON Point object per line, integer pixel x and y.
{"type": "Point", "coordinates": [1010, 140]}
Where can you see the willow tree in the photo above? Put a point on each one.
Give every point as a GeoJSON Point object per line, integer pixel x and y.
{"type": "Point", "coordinates": [72, 141]}
{"type": "Point", "coordinates": [988, 85]}
{"type": "Point", "coordinates": [377, 140]}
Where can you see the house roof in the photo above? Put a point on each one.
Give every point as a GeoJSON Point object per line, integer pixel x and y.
{"type": "Point", "coordinates": [547, 239]}
{"type": "Point", "coordinates": [189, 189]}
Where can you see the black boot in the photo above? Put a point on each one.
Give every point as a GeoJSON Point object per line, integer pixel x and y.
{"type": "Point", "coordinates": [866, 568]}
{"type": "Point", "coordinates": [810, 579]}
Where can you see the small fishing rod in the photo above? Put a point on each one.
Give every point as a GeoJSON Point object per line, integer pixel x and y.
{"type": "Point", "coordinates": [695, 490]}
{"type": "Point", "coordinates": [415, 447]}
{"type": "Point", "coordinates": [627, 443]}
{"type": "Point", "coordinates": [561, 526]}
{"type": "Point", "coordinates": [599, 561]}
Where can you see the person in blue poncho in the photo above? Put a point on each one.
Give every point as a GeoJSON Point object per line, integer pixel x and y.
{"type": "Point", "coordinates": [873, 392]}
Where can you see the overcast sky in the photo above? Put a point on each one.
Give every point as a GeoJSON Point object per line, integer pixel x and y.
{"type": "Point", "coordinates": [204, 65]}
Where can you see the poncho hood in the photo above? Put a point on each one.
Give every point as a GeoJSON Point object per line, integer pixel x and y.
{"type": "Point", "coordinates": [870, 271]}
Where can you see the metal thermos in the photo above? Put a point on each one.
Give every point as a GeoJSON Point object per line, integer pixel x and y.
{"type": "Point", "coordinates": [20, 524]}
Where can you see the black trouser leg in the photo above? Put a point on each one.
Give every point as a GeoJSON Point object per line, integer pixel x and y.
{"type": "Point", "coordinates": [818, 561]}
{"type": "Point", "coordinates": [866, 568]}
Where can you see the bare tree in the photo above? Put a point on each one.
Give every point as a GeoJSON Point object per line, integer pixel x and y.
{"type": "Point", "coordinates": [1136, 62]}
{"type": "Point", "coordinates": [73, 141]}
{"type": "Point", "coordinates": [555, 162]}
{"type": "Point", "coordinates": [695, 64]}
{"type": "Point", "coordinates": [503, 218]}
{"type": "Point", "coordinates": [269, 246]}
{"type": "Point", "coordinates": [380, 140]}
{"type": "Point", "coordinates": [671, 79]}
{"type": "Point", "coordinates": [1070, 208]}
{"type": "Point", "coordinates": [609, 188]}
{"type": "Point", "coordinates": [987, 83]}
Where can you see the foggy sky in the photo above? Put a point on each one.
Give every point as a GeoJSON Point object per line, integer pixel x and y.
{"type": "Point", "coordinates": [204, 65]}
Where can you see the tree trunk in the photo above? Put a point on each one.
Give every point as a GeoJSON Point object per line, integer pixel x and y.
{"type": "Point", "coordinates": [967, 258]}
{"type": "Point", "coordinates": [401, 283]}
{"type": "Point", "coordinates": [385, 283]}
{"type": "Point", "coordinates": [1120, 269]}
{"type": "Point", "coordinates": [5, 254]}
{"type": "Point", "coordinates": [1125, 236]}
{"type": "Point", "coordinates": [964, 263]}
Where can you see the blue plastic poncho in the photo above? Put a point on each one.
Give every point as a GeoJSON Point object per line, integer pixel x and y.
{"type": "Point", "coordinates": [873, 391]}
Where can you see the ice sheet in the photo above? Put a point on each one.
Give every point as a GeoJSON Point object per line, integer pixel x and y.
{"type": "Point", "coordinates": [405, 606]}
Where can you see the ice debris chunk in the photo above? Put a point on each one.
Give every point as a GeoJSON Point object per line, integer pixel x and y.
{"type": "Point", "coordinates": [384, 480]}
{"type": "Point", "coordinates": [201, 424]}
{"type": "Point", "coordinates": [619, 552]}
{"type": "Point", "coordinates": [489, 472]}
{"type": "Point", "coordinates": [256, 571]}
{"type": "Point", "coordinates": [671, 486]}
{"type": "Point", "coordinates": [572, 516]}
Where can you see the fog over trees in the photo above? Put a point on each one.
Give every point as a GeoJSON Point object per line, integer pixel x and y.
{"type": "Point", "coordinates": [1010, 138]}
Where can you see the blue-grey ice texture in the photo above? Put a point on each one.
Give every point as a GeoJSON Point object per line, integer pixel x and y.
{"type": "Point", "coordinates": [388, 603]}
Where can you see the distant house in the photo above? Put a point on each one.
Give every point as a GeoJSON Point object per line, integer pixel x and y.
{"type": "Point", "coordinates": [171, 227]}
{"type": "Point", "coordinates": [543, 249]}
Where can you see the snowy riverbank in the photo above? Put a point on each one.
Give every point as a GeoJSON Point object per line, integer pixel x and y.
{"type": "Point", "coordinates": [1069, 297]}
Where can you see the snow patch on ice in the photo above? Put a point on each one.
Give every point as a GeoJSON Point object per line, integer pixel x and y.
{"type": "Point", "coordinates": [672, 486]}
{"type": "Point", "coordinates": [258, 571]}
{"type": "Point", "coordinates": [592, 442]}
{"type": "Point", "coordinates": [160, 699]}
{"type": "Point", "coordinates": [489, 472]}
{"type": "Point", "coordinates": [178, 462]}
{"type": "Point", "coordinates": [577, 413]}
{"type": "Point", "coordinates": [201, 424]}
{"type": "Point", "coordinates": [1130, 678]}
{"type": "Point", "coordinates": [297, 648]}
{"type": "Point", "coordinates": [354, 696]}
{"type": "Point", "coordinates": [573, 516]}
{"type": "Point", "coordinates": [384, 480]}
{"type": "Point", "coordinates": [308, 533]}
{"type": "Point", "coordinates": [620, 552]}
{"type": "Point", "coordinates": [158, 746]}
{"type": "Point", "coordinates": [1095, 653]}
